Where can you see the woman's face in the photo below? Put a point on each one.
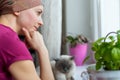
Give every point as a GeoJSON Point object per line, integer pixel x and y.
{"type": "Point", "coordinates": [30, 18]}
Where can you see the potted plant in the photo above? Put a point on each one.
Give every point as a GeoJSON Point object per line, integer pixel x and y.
{"type": "Point", "coordinates": [77, 48]}
{"type": "Point", "coordinates": [107, 56]}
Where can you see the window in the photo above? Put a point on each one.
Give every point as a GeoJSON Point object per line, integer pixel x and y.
{"type": "Point", "coordinates": [110, 16]}
{"type": "Point", "coordinates": [105, 17]}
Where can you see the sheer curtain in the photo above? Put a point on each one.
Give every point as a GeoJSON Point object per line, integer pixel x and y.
{"type": "Point", "coordinates": [110, 16]}
{"type": "Point", "coordinates": [52, 27]}
{"type": "Point", "coordinates": [105, 17]}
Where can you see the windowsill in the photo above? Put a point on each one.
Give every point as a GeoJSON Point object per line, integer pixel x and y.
{"type": "Point", "coordinates": [79, 70]}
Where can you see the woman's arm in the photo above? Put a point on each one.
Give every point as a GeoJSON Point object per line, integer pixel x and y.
{"type": "Point", "coordinates": [35, 40]}
{"type": "Point", "coordinates": [45, 67]}
{"type": "Point", "coordinates": [24, 70]}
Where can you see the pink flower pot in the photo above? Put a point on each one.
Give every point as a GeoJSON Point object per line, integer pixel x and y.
{"type": "Point", "coordinates": [79, 52]}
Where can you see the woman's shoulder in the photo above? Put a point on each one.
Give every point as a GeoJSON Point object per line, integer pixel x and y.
{"type": "Point", "coordinates": [6, 29]}
{"type": "Point", "coordinates": [6, 33]}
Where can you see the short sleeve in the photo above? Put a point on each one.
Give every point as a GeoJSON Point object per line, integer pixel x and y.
{"type": "Point", "coordinates": [14, 50]}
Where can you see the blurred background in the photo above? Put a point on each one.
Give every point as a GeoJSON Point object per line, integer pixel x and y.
{"type": "Point", "coordinates": [91, 18]}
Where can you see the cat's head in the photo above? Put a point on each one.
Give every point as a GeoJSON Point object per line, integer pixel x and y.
{"type": "Point", "coordinates": [65, 63]}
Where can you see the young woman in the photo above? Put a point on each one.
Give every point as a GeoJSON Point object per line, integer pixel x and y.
{"type": "Point", "coordinates": [22, 17]}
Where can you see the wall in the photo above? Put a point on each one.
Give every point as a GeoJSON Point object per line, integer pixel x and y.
{"type": "Point", "coordinates": [76, 20]}
{"type": "Point", "coordinates": [92, 18]}
{"type": "Point", "coordinates": [77, 17]}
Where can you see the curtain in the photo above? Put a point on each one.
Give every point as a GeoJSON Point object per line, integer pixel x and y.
{"type": "Point", "coordinates": [105, 17]}
{"type": "Point", "coordinates": [52, 27]}
{"type": "Point", "coordinates": [110, 16]}
{"type": "Point", "coordinates": [95, 19]}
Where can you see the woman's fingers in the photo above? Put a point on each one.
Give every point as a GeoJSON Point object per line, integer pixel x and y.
{"type": "Point", "coordinates": [27, 34]}
{"type": "Point", "coordinates": [34, 39]}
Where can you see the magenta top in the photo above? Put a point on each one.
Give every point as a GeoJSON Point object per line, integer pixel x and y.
{"type": "Point", "coordinates": [12, 49]}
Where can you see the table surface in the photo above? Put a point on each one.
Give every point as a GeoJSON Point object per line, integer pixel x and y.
{"type": "Point", "coordinates": [79, 70]}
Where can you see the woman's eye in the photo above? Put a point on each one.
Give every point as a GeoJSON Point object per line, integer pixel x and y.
{"type": "Point", "coordinates": [39, 12]}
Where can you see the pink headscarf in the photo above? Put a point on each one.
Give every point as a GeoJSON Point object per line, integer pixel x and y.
{"type": "Point", "coordinates": [10, 6]}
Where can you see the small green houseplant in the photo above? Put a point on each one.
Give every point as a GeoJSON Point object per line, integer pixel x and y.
{"type": "Point", "coordinates": [107, 51]}
{"type": "Point", "coordinates": [79, 39]}
{"type": "Point", "coordinates": [107, 56]}
{"type": "Point", "coordinates": [78, 48]}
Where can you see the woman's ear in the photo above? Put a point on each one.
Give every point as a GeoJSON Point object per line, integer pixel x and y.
{"type": "Point", "coordinates": [16, 13]}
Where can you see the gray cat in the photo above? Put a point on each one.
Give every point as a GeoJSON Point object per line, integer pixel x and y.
{"type": "Point", "coordinates": [63, 68]}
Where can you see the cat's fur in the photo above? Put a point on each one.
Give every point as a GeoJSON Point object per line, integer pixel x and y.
{"type": "Point", "coordinates": [63, 67]}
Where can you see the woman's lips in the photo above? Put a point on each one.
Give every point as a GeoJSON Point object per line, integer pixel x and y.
{"type": "Point", "coordinates": [36, 28]}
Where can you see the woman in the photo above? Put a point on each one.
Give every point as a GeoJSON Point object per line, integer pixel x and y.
{"type": "Point", "coordinates": [22, 17]}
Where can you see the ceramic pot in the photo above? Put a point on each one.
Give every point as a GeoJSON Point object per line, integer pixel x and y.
{"type": "Point", "coordinates": [79, 52]}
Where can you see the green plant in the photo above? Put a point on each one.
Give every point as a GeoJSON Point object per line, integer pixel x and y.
{"type": "Point", "coordinates": [75, 40]}
{"type": "Point", "coordinates": [107, 51]}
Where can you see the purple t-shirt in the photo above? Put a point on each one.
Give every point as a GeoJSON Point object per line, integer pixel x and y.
{"type": "Point", "coordinates": [12, 49]}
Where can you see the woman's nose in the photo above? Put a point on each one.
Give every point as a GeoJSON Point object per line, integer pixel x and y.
{"type": "Point", "coordinates": [40, 21]}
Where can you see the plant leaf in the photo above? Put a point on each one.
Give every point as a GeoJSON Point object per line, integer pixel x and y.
{"type": "Point", "coordinates": [115, 54]}
{"type": "Point", "coordinates": [86, 59]}
{"type": "Point", "coordinates": [98, 65]}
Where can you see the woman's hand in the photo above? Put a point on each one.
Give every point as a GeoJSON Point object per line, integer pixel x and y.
{"type": "Point", "coordinates": [34, 39]}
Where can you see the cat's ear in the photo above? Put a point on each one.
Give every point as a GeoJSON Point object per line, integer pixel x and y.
{"type": "Point", "coordinates": [72, 58]}
{"type": "Point", "coordinates": [56, 60]}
